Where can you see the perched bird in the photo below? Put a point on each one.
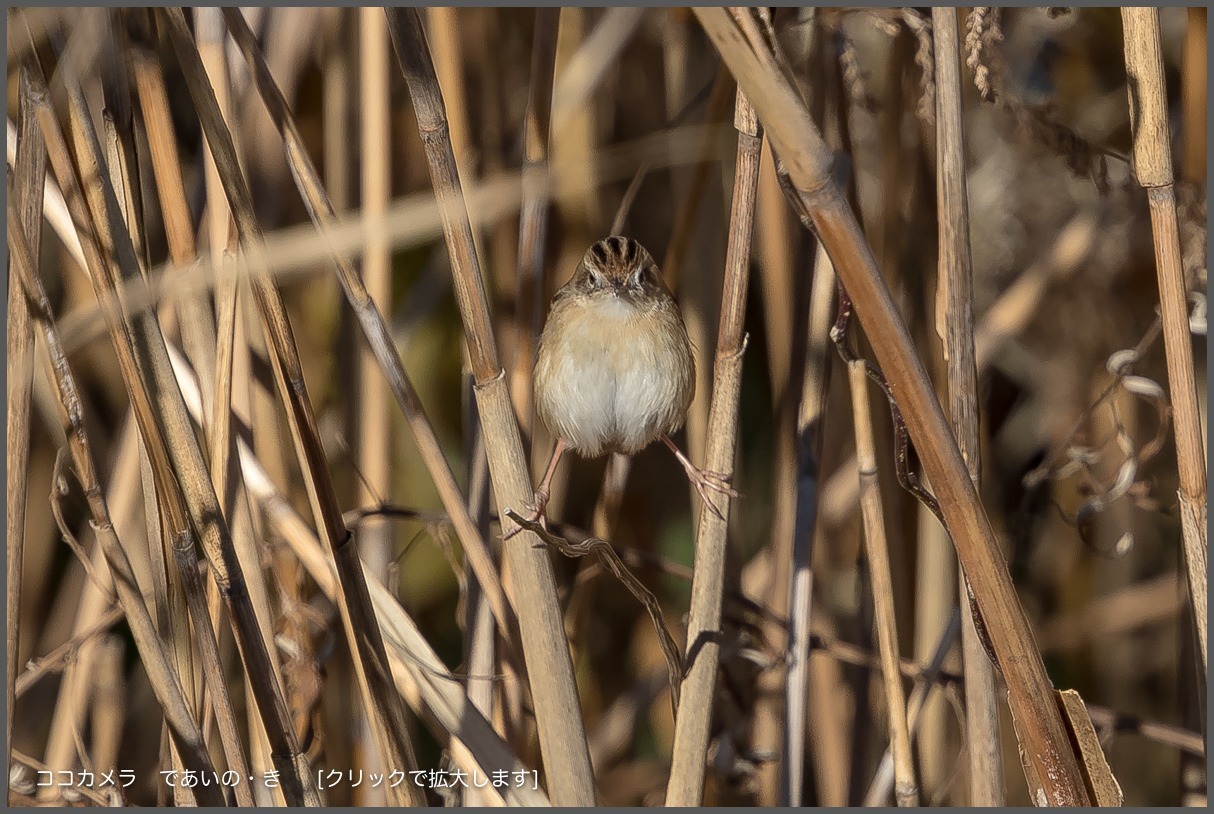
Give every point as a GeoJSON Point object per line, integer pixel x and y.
{"type": "Point", "coordinates": [615, 369]}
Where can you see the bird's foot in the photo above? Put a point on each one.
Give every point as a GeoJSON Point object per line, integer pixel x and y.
{"type": "Point", "coordinates": [535, 512]}
{"type": "Point", "coordinates": [704, 480]}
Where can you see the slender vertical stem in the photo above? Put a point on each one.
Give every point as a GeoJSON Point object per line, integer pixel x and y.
{"type": "Point", "coordinates": [545, 646]}
{"type": "Point", "coordinates": [906, 788]}
{"type": "Point", "coordinates": [29, 178]}
{"type": "Point", "coordinates": [686, 786]}
{"type": "Point", "coordinates": [1153, 168]}
{"type": "Point", "coordinates": [956, 275]}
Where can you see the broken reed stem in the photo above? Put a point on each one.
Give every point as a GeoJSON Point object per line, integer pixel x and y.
{"type": "Point", "coordinates": [382, 702]}
{"type": "Point", "coordinates": [165, 683]}
{"type": "Point", "coordinates": [796, 140]}
{"type": "Point", "coordinates": [1153, 169]}
{"type": "Point", "coordinates": [29, 176]}
{"type": "Point", "coordinates": [686, 785]}
{"type": "Point", "coordinates": [956, 276]}
{"type": "Point", "coordinates": [906, 787]}
{"type": "Point", "coordinates": [378, 335]}
{"type": "Point", "coordinates": [546, 648]}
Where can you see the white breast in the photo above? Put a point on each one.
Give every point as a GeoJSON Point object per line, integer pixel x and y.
{"type": "Point", "coordinates": [605, 383]}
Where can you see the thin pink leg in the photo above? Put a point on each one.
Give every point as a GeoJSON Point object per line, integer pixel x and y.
{"type": "Point", "coordinates": [539, 500]}
{"type": "Point", "coordinates": [701, 479]}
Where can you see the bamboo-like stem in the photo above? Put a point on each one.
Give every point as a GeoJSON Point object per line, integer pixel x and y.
{"type": "Point", "coordinates": [686, 785]}
{"type": "Point", "coordinates": [906, 787]}
{"type": "Point", "coordinates": [358, 621]}
{"type": "Point", "coordinates": [373, 440]}
{"type": "Point", "coordinates": [29, 176]}
{"type": "Point", "coordinates": [1153, 169]}
{"type": "Point", "coordinates": [375, 329]}
{"type": "Point", "coordinates": [165, 683]}
{"type": "Point", "coordinates": [797, 141]}
{"type": "Point", "coordinates": [956, 274]}
{"type": "Point", "coordinates": [554, 694]}
{"type": "Point", "coordinates": [182, 480]}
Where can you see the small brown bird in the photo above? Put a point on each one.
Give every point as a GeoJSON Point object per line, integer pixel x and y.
{"type": "Point", "coordinates": [615, 369]}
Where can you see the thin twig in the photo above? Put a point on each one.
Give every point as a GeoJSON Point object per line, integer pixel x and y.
{"type": "Point", "coordinates": [612, 562]}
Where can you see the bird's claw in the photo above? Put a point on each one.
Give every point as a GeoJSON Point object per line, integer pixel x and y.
{"type": "Point", "coordinates": [535, 514]}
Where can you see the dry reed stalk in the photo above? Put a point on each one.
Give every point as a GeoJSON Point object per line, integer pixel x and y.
{"type": "Point", "coordinates": [182, 480]}
{"type": "Point", "coordinates": [956, 276]}
{"type": "Point", "coordinates": [109, 704]}
{"type": "Point", "coordinates": [375, 682]}
{"type": "Point", "coordinates": [189, 609]}
{"type": "Point", "coordinates": [444, 34]}
{"type": "Point", "coordinates": [378, 336]}
{"type": "Point", "coordinates": [1005, 318]}
{"type": "Point", "coordinates": [554, 694]}
{"type": "Point", "coordinates": [906, 787]}
{"type": "Point", "coordinates": [165, 684]}
{"type": "Point", "coordinates": [533, 219]}
{"type": "Point", "coordinates": [686, 785]}
{"type": "Point", "coordinates": [29, 177]}
{"type": "Point", "coordinates": [1153, 169]}
{"type": "Point", "coordinates": [810, 415]}
{"type": "Point", "coordinates": [173, 610]}
{"type": "Point", "coordinates": [417, 668]}
{"type": "Point", "coordinates": [1193, 89]}
{"type": "Point", "coordinates": [795, 139]}
{"type": "Point", "coordinates": [373, 438]}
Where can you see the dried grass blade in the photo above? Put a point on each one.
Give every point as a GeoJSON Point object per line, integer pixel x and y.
{"type": "Point", "coordinates": [383, 703]}
{"type": "Point", "coordinates": [28, 179]}
{"type": "Point", "coordinates": [376, 331]}
{"type": "Point", "coordinates": [165, 683]}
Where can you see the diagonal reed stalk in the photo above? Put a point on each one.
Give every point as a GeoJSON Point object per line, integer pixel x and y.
{"type": "Point", "coordinates": [796, 140]}
{"type": "Point", "coordinates": [378, 336]}
{"type": "Point", "coordinates": [1153, 169]}
{"type": "Point", "coordinates": [956, 276]}
{"type": "Point", "coordinates": [686, 785]}
{"type": "Point", "coordinates": [29, 174]}
{"type": "Point", "coordinates": [383, 703]}
{"type": "Point", "coordinates": [546, 649]}
{"type": "Point", "coordinates": [876, 546]}
{"type": "Point", "coordinates": [165, 683]}
{"type": "Point", "coordinates": [177, 462]}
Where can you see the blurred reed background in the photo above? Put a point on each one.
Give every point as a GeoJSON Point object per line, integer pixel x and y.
{"type": "Point", "coordinates": [142, 645]}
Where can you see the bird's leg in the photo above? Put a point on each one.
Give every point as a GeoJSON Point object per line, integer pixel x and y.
{"type": "Point", "coordinates": [702, 479]}
{"type": "Point", "coordinates": [539, 499]}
